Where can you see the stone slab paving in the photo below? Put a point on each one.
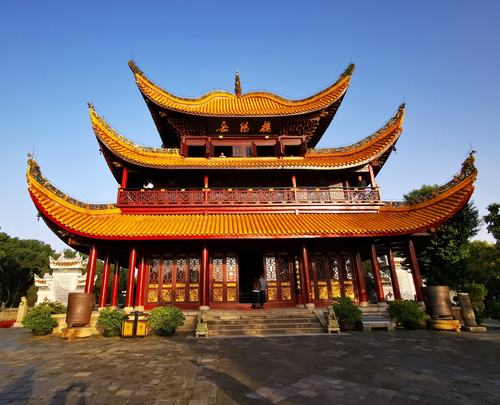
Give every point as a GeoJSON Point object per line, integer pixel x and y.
{"type": "Point", "coordinates": [357, 368]}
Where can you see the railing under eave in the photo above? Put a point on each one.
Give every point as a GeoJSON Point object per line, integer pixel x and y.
{"type": "Point", "coordinates": [248, 196]}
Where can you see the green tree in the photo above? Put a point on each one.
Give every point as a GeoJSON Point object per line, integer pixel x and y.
{"type": "Point", "coordinates": [493, 221]}
{"type": "Point", "coordinates": [483, 266]}
{"type": "Point", "coordinates": [20, 260]}
{"type": "Point", "coordinates": [443, 256]}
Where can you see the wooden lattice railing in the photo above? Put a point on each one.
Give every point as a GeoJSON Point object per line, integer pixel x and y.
{"type": "Point", "coordinates": [248, 196]}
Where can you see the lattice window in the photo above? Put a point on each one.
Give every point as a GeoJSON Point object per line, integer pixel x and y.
{"type": "Point", "coordinates": [271, 268]}
{"type": "Point", "coordinates": [168, 266]}
{"type": "Point", "coordinates": [154, 272]}
{"type": "Point", "coordinates": [347, 267]}
{"type": "Point", "coordinates": [217, 269]}
{"type": "Point", "coordinates": [180, 275]}
{"type": "Point", "coordinates": [334, 267]}
{"type": "Point", "coordinates": [319, 264]}
{"type": "Point", "coordinates": [231, 273]}
{"type": "Point", "coordinates": [284, 274]}
{"type": "Point", "coordinates": [194, 269]}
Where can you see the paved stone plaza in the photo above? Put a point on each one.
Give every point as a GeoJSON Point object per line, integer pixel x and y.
{"type": "Point", "coordinates": [372, 368]}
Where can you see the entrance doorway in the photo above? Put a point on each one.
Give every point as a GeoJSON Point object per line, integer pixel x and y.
{"type": "Point", "coordinates": [250, 267]}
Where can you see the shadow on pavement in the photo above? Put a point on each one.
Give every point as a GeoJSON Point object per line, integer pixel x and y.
{"type": "Point", "coordinates": [61, 396]}
{"type": "Point", "coordinates": [21, 389]}
{"type": "Point", "coordinates": [233, 388]}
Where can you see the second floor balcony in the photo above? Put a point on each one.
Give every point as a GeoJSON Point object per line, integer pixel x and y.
{"type": "Point", "coordinates": [276, 196]}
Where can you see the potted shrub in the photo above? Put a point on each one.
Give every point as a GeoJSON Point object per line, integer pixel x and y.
{"type": "Point", "coordinates": [109, 322]}
{"type": "Point", "coordinates": [347, 312]}
{"type": "Point", "coordinates": [165, 320]}
{"type": "Point", "coordinates": [55, 307]}
{"type": "Point", "coordinates": [406, 313]}
{"type": "Point", "coordinates": [39, 320]}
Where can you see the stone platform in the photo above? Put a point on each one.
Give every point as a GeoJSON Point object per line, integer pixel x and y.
{"type": "Point", "coordinates": [401, 367]}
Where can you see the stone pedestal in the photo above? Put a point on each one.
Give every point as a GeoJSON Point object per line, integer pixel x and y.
{"type": "Point", "coordinates": [444, 324]}
{"type": "Point", "coordinates": [77, 332]}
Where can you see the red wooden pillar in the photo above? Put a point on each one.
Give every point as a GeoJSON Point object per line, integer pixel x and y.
{"type": "Point", "coordinates": [415, 271]}
{"type": "Point", "coordinates": [376, 274]}
{"type": "Point", "coordinates": [124, 182]}
{"type": "Point", "coordinates": [204, 280]}
{"type": "Point", "coordinates": [394, 274]}
{"type": "Point", "coordinates": [114, 285]}
{"type": "Point", "coordinates": [360, 279]}
{"type": "Point", "coordinates": [144, 282]}
{"type": "Point", "coordinates": [373, 181]}
{"type": "Point", "coordinates": [306, 283]}
{"type": "Point", "coordinates": [129, 299]}
{"type": "Point", "coordinates": [91, 268]}
{"type": "Point", "coordinates": [139, 291]}
{"type": "Point", "coordinates": [105, 281]}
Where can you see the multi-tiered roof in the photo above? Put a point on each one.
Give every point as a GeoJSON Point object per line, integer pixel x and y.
{"type": "Point", "coordinates": [289, 212]}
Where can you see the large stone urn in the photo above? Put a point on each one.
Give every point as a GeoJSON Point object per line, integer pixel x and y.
{"type": "Point", "coordinates": [438, 304]}
{"type": "Point", "coordinates": [80, 306]}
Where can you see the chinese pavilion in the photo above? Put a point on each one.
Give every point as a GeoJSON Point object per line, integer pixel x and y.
{"type": "Point", "coordinates": [238, 189]}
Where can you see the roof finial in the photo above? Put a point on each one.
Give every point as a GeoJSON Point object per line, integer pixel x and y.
{"type": "Point", "coordinates": [237, 84]}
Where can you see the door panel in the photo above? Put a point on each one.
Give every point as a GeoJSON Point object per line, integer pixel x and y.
{"type": "Point", "coordinates": [278, 273]}
{"type": "Point", "coordinates": [173, 280]}
{"type": "Point", "coordinates": [224, 271]}
{"type": "Point", "coordinates": [331, 276]}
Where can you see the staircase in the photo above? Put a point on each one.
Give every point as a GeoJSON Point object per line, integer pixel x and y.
{"type": "Point", "coordinates": [263, 322]}
{"type": "Point", "coordinates": [376, 317]}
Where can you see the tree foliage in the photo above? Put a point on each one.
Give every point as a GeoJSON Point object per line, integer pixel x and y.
{"type": "Point", "coordinates": [20, 260]}
{"type": "Point", "coordinates": [443, 256]}
{"type": "Point", "coordinates": [493, 221]}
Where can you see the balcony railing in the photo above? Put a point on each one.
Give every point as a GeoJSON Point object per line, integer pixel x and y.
{"type": "Point", "coordinates": [248, 196]}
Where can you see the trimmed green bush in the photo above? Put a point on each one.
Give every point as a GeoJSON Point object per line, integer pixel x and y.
{"type": "Point", "coordinates": [406, 313]}
{"type": "Point", "coordinates": [109, 322]}
{"type": "Point", "coordinates": [39, 320]}
{"type": "Point", "coordinates": [493, 309]}
{"type": "Point", "coordinates": [165, 320]}
{"type": "Point", "coordinates": [477, 294]}
{"type": "Point", "coordinates": [347, 313]}
{"type": "Point", "coordinates": [55, 307]}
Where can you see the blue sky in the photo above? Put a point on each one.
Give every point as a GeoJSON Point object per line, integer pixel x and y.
{"type": "Point", "coordinates": [441, 57]}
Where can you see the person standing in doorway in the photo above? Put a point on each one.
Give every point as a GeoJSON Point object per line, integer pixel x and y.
{"type": "Point", "coordinates": [262, 290]}
{"type": "Point", "coordinates": [255, 293]}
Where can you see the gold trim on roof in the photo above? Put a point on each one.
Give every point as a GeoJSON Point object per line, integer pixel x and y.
{"type": "Point", "coordinates": [111, 223]}
{"type": "Point", "coordinates": [222, 103]}
{"type": "Point", "coordinates": [358, 154]}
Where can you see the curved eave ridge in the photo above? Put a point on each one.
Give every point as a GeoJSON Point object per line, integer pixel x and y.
{"type": "Point", "coordinates": [390, 131]}
{"type": "Point", "coordinates": [355, 155]}
{"type": "Point", "coordinates": [108, 222]}
{"type": "Point", "coordinates": [223, 103]}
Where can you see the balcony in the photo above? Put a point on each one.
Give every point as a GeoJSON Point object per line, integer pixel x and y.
{"type": "Point", "coordinates": [250, 197]}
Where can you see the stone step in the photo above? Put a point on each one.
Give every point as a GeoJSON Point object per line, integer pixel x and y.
{"type": "Point", "coordinates": [245, 322]}
{"type": "Point", "coordinates": [264, 332]}
{"type": "Point", "coordinates": [256, 317]}
{"type": "Point", "coordinates": [263, 322]}
{"type": "Point", "coordinates": [264, 326]}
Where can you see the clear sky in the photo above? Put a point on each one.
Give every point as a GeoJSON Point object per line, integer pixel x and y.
{"type": "Point", "coordinates": [441, 57]}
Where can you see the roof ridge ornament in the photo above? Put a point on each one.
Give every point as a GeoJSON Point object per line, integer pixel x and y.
{"type": "Point", "coordinates": [237, 84]}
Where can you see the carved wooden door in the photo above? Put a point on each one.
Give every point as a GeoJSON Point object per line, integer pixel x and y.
{"type": "Point", "coordinates": [331, 276]}
{"type": "Point", "coordinates": [320, 281]}
{"type": "Point", "coordinates": [173, 280]}
{"type": "Point", "coordinates": [224, 274]}
{"type": "Point", "coordinates": [278, 272]}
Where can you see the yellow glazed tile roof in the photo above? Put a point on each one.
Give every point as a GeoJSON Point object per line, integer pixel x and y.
{"type": "Point", "coordinates": [354, 155]}
{"type": "Point", "coordinates": [221, 103]}
{"type": "Point", "coordinates": [109, 222]}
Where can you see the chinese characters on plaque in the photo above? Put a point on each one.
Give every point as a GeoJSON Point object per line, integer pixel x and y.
{"type": "Point", "coordinates": [265, 127]}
